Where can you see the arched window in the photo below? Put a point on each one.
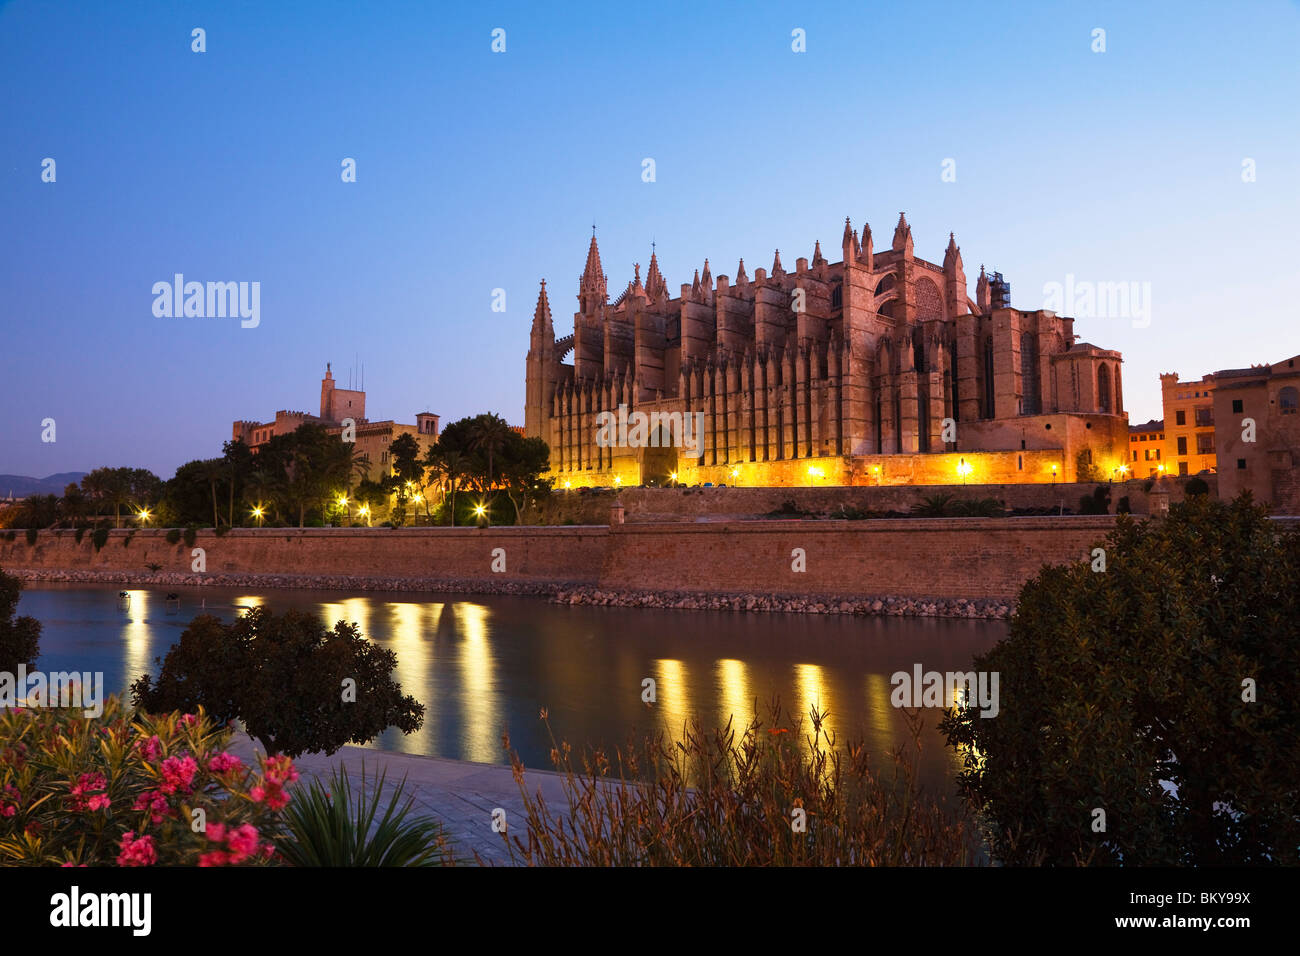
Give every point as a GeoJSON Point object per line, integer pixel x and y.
{"type": "Point", "coordinates": [1288, 400]}
{"type": "Point", "coordinates": [1103, 388]}
{"type": "Point", "coordinates": [918, 349]}
{"type": "Point", "coordinates": [837, 297]}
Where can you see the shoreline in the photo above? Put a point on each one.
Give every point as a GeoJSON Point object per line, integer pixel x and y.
{"type": "Point", "coordinates": [571, 594]}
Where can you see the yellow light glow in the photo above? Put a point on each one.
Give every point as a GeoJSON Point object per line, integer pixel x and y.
{"type": "Point", "coordinates": [964, 468]}
{"type": "Point", "coordinates": [735, 473]}
{"type": "Point", "coordinates": [673, 476]}
{"type": "Point", "coordinates": [418, 497]}
{"type": "Point", "coordinates": [343, 501]}
{"type": "Point", "coordinates": [568, 484]}
{"type": "Point", "coordinates": [258, 512]}
{"type": "Point", "coordinates": [363, 510]}
{"type": "Point", "coordinates": [480, 510]}
{"type": "Point", "coordinates": [144, 514]}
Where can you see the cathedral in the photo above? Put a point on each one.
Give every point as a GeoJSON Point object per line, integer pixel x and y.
{"type": "Point", "coordinates": [878, 368]}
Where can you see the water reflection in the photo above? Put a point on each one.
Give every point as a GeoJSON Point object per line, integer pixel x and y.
{"type": "Point", "coordinates": [484, 665]}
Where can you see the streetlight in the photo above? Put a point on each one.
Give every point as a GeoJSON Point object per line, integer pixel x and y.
{"type": "Point", "coordinates": [963, 469]}
{"type": "Point", "coordinates": [364, 511]}
{"type": "Point", "coordinates": [480, 512]}
{"type": "Point", "coordinates": [257, 513]}
{"type": "Point", "coordinates": [144, 516]}
{"type": "Point", "coordinates": [735, 474]}
{"type": "Point", "coordinates": [673, 477]}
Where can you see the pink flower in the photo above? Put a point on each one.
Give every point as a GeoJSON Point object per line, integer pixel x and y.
{"type": "Point", "coordinates": [216, 832]}
{"type": "Point", "coordinates": [87, 783]}
{"type": "Point", "coordinates": [188, 720]}
{"type": "Point", "coordinates": [279, 770]}
{"type": "Point", "coordinates": [242, 843]}
{"type": "Point", "coordinates": [136, 851]}
{"type": "Point", "coordinates": [215, 858]}
{"type": "Point", "coordinates": [257, 794]}
{"type": "Point", "coordinates": [151, 748]}
{"type": "Point", "coordinates": [155, 803]}
{"type": "Point", "coordinates": [225, 763]}
{"type": "Point", "coordinates": [178, 774]}
{"type": "Point", "coordinates": [70, 863]}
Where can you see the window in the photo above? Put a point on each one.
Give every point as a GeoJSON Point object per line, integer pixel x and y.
{"type": "Point", "coordinates": [1205, 444]}
{"type": "Point", "coordinates": [1182, 445]}
{"type": "Point", "coordinates": [1157, 454]}
{"type": "Point", "coordinates": [1241, 464]}
{"type": "Point", "coordinates": [1236, 406]}
{"type": "Point", "coordinates": [1132, 438]}
{"type": "Point", "coordinates": [1182, 468]}
{"type": "Point", "coordinates": [1288, 400]}
{"type": "Point", "coordinates": [1204, 416]}
{"type": "Point", "coordinates": [1135, 454]}
{"type": "Point", "coordinates": [1180, 417]}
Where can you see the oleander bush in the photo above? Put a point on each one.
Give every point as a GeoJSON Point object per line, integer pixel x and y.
{"type": "Point", "coordinates": [132, 790]}
{"type": "Point", "coordinates": [776, 793]}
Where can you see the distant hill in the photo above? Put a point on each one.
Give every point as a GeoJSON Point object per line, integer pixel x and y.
{"type": "Point", "coordinates": [20, 486]}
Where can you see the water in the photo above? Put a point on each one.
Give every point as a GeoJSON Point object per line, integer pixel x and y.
{"type": "Point", "coordinates": [482, 665]}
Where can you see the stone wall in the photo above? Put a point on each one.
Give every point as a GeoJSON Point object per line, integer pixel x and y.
{"type": "Point", "coordinates": [590, 506]}
{"type": "Point", "coordinates": [942, 558]}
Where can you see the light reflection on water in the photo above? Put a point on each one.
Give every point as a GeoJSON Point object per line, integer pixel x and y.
{"type": "Point", "coordinates": [483, 665]}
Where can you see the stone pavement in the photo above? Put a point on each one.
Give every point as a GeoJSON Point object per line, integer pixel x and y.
{"type": "Point", "coordinates": [460, 794]}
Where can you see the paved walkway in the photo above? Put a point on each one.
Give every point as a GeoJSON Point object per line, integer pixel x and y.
{"type": "Point", "coordinates": [460, 794]}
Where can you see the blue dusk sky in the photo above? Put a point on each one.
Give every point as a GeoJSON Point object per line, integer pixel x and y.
{"type": "Point", "coordinates": [1170, 162]}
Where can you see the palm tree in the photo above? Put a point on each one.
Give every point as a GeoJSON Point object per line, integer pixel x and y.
{"type": "Point", "coordinates": [487, 436]}
{"type": "Point", "coordinates": [452, 466]}
{"type": "Point", "coordinates": [211, 472]}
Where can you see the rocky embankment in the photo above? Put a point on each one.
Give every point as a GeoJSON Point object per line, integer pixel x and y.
{"type": "Point", "coordinates": [574, 595]}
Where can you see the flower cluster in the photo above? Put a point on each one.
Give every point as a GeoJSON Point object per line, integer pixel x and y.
{"type": "Point", "coordinates": [143, 779]}
{"type": "Point", "coordinates": [136, 851]}
{"type": "Point", "coordinates": [81, 798]}
{"type": "Point", "coordinates": [278, 771]}
{"type": "Point", "coordinates": [240, 843]}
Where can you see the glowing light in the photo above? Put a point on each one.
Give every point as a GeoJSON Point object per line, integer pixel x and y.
{"type": "Point", "coordinates": [964, 468]}
{"type": "Point", "coordinates": [735, 473]}
{"type": "Point", "coordinates": [673, 476]}
{"type": "Point", "coordinates": [618, 480]}
{"type": "Point", "coordinates": [568, 484]}
{"type": "Point", "coordinates": [343, 501]}
{"type": "Point", "coordinates": [363, 510]}
{"type": "Point", "coordinates": [258, 512]}
{"type": "Point", "coordinates": [418, 498]}
{"type": "Point", "coordinates": [144, 515]}
{"type": "Point", "coordinates": [480, 510]}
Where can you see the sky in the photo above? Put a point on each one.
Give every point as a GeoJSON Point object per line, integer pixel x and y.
{"type": "Point", "coordinates": [1168, 162]}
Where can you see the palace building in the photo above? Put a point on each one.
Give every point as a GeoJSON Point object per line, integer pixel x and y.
{"type": "Point", "coordinates": [878, 368]}
{"type": "Point", "coordinates": [340, 408]}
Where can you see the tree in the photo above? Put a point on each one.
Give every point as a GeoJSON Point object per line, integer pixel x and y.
{"type": "Point", "coordinates": [20, 637]}
{"type": "Point", "coordinates": [407, 472]}
{"type": "Point", "coordinates": [1159, 691]}
{"type": "Point", "coordinates": [488, 435]}
{"type": "Point", "coordinates": [523, 462]}
{"type": "Point", "coordinates": [238, 460]}
{"type": "Point", "coordinates": [211, 472]}
{"type": "Point", "coordinates": [295, 684]}
{"type": "Point", "coordinates": [451, 466]}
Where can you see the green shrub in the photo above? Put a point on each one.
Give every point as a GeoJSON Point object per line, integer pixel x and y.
{"type": "Point", "coordinates": [1115, 684]}
{"type": "Point", "coordinates": [126, 539]}
{"type": "Point", "coordinates": [173, 535]}
{"type": "Point", "coordinates": [1196, 486]}
{"type": "Point", "coordinates": [31, 536]}
{"type": "Point", "coordinates": [977, 508]}
{"type": "Point", "coordinates": [120, 790]}
{"type": "Point", "coordinates": [1097, 503]}
{"type": "Point", "coordinates": [190, 537]}
{"type": "Point", "coordinates": [337, 826]}
{"type": "Point", "coordinates": [79, 534]}
{"type": "Point", "coordinates": [221, 531]}
{"type": "Point", "coordinates": [99, 538]}
{"type": "Point", "coordinates": [281, 677]}
{"type": "Point", "coordinates": [20, 637]}
{"type": "Point", "coordinates": [939, 505]}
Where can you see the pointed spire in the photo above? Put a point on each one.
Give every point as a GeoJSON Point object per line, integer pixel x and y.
{"type": "Point", "coordinates": [655, 286]}
{"type": "Point", "coordinates": [902, 234]}
{"type": "Point", "coordinates": [776, 265]}
{"type": "Point", "coordinates": [592, 288]}
{"type": "Point", "coordinates": [952, 254]}
{"type": "Point", "coordinates": [848, 231]}
{"type": "Point", "coordinates": [817, 253]}
{"type": "Point", "coordinates": [707, 277]}
{"type": "Point", "coordinates": [983, 292]}
{"type": "Point", "coordinates": [740, 272]}
{"type": "Point", "coordinates": [695, 285]}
